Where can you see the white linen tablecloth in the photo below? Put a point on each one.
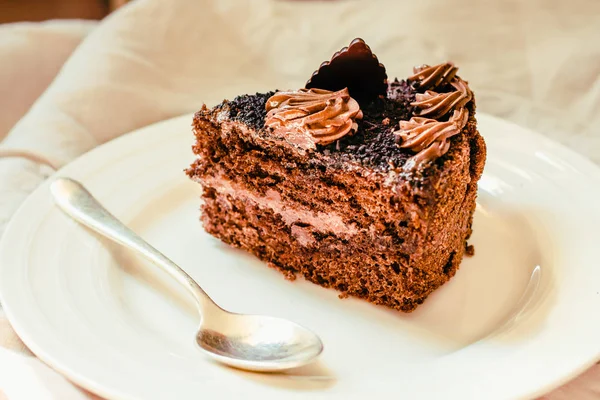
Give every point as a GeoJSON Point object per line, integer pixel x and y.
{"type": "Point", "coordinates": [536, 63]}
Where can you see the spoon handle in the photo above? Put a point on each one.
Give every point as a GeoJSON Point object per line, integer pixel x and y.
{"type": "Point", "coordinates": [79, 204]}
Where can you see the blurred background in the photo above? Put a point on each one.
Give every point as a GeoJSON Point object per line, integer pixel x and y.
{"type": "Point", "coordinates": [42, 10]}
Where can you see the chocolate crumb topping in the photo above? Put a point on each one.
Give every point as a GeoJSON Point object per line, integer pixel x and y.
{"type": "Point", "coordinates": [470, 250]}
{"type": "Point", "coordinates": [249, 109]}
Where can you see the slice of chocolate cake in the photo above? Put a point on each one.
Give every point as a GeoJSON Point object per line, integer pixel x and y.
{"type": "Point", "coordinates": [354, 183]}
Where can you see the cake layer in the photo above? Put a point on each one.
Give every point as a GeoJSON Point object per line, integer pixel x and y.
{"type": "Point", "coordinates": [356, 266]}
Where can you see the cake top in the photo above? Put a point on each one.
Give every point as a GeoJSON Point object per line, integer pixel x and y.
{"type": "Point", "coordinates": [349, 112]}
{"type": "Point", "coordinates": [372, 145]}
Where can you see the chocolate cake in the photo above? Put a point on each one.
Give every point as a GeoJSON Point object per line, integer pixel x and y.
{"type": "Point", "coordinates": [356, 183]}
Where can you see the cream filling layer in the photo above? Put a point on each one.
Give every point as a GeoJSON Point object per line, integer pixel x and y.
{"type": "Point", "coordinates": [320, 221]}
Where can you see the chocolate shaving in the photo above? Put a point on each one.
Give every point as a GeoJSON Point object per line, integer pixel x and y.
{"type": "Point", "coordinates": [354, 67]}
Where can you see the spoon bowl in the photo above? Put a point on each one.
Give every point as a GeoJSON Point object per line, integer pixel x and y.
{"type": "Point", "coordinates": [257, 342]}
{"type": "Point", "coordinates": [252, 342]}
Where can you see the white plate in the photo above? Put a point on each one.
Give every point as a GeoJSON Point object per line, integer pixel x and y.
{"type": "Point", "coordinates": [519, 318]}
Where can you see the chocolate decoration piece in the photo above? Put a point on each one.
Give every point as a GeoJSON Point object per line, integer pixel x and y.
{"type": "Point", "coordinates": [314, 116]}
{"type": "Point", "coordinates": [354, 67]}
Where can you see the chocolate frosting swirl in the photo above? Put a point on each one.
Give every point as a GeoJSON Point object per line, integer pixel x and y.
{"type": "Point", "coordinates": [424, 133]}
{"type": "Point", "coordinates": [312, 116]}
{"type": "Point", "coordinates": [436, 105]}
{"type": "Point", "coordinates": [429, 137]}
{"type": "Point", "coordinates": [431, 77]}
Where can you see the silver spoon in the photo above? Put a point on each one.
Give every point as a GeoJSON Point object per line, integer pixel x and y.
{"type": "Point", "coordinates": [250, 342]}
